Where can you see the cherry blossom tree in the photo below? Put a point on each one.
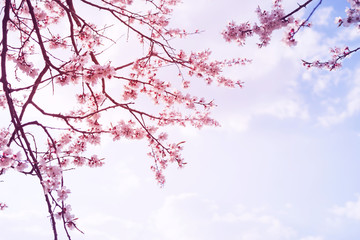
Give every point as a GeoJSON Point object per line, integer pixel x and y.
{"type": "Point", "coordinates": [49, 48]}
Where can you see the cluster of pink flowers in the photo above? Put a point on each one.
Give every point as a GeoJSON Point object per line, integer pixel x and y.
{"type": "Point", "coordinates": [129, 93]}
{"type": "Point", "coordinates": [353, 14]}
{"type": "Point", "coordinates": [210, 70]}
{"type": "Point", "coordinates": [68, 217]}
{"type": "Point", "coordinates": [94, 161]}
{"type": "Point", "coordinates": [76, 69]}
{"type": "Point", "coordinates": [50, 14]}
{"type": "Point", "coordinates": [8, 159]}
{"type": "Point", "coordinates": [197, 119]}
{"type": "Point", "coordinates": [3, 102]}
{"type": "Point", "coordinates": [237, 32]}
{"type": "Point", "coordinates": [269, 22]}
{"type": "Point", "coordinates": [24, 64]}
{"type": "Point", "coordinates": [4, 138]}
{"type": "Point", "coordinates": [2, 206]}
{"type": "Point", "coordinates": [128, 130]}
{"type": "Point", "coordinates": [71, 146]}
{"type": "Point", "coordinates": [292, 30]}
{"type": "Point", "coordinates": [95, 72]}
{"type": "Point", "coordinates": [163, 156]}
{"type": "Point", "coordinates": [63, 193]}
{"type": "Point", "coordinates": [52, 175]}
{"type": "Point", "coordinates": [46, 12]}
{"type": "Point", "coordinates": [88, 37]}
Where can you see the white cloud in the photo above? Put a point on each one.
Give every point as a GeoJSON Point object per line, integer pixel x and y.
{"type": "Point", "coordinates": [351, 209]}
{"type": "Point", "coordinates": [258, 225]}
{"type": "Point", "coordinates": [286, 108]}
{"type": "Point", "coordinates": [188, 216]}
{"type": "Point", "coordinates": [97, 226]}
{"type": "Point", "coordinates": [24, 222]}
{"type": "Point", "coordinates": [320, 82]}
{"type": "Point", "coordinates": [237, 123]}
{"type": "Point", "coordinates": [181, 217]}
{"type": "Point", "coordinates": [346, 35]}
{"type": "Point", "coordinates": [329, 120]}
{"type": "Point", "coordinates": [350, 103]}
{"type": "Point", "coordinates": [323, 16]}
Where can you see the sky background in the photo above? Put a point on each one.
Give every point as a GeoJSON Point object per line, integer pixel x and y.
{"type": "Point", "coordinates": [284, 165]}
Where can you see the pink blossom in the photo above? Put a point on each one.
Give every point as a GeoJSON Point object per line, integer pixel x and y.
{"type": "Point", "coordinates": [63, 193]}
{"type": "Point", "coordinates": [2, 206]}
{"type": "Point", "coordinates": [353, 14]}
{"type": "Point", "coordinates": [4, 135]}
{"type": "Point", "coordinates": [79, 161]}
{"type": "Point", "coordinates": [3, 102]}
{"type": "Point", "coordinates": [5, 161]}
{"type": "Point", "coordinates": [94, 161]}
{"type": "Point", "coordinates": [50, 184]}
{"type": "Point", "coordinates": [21, 166]}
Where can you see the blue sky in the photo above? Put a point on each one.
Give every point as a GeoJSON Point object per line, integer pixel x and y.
{"type": "Point", "coordinates": [283, 166]}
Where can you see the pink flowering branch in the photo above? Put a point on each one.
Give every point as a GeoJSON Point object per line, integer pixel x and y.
{"type": "Point", "coordinates": [34, 54]}
{"type": "Point", "coordinates": [277, 19]}
{"type": "Point", "coordinates": [298, 25]}
{"type": "Point", "coordinates": [269, 22]}
{"type": "Point", "coordinates": [337, 56]}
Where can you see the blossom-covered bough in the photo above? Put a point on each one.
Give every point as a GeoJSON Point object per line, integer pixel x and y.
{"type": "Point", "coordinates": [48, 48]}
{"type": "Point", "coordinates": [277, 18]}
{"type": "Point", "coordinates": [51, 51]}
